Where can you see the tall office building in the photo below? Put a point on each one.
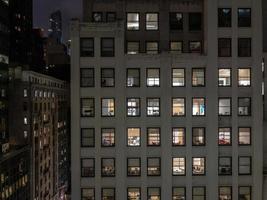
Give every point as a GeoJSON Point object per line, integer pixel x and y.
{"type": "Point", "coordinates": [55, 30]}
{"type": "Point", "coordinates": [39, 116]}
{"type": "Point", "coordinates": [4, 60]}
{"type": "Point", "coordinates": [166, 100]}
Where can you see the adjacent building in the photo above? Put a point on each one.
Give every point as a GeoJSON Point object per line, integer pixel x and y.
{"type": "Point", "coordinates": [55, 31]}
{"type": "Point", "coordinates": [166, 100]}
{"type": "Point", "coordinates": [39, 116]}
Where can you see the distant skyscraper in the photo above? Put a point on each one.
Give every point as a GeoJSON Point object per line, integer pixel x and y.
{"type": "Point", "coordinates": [55, 30]}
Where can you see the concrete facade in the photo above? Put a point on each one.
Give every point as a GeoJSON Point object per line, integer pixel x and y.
{"type": "Point", "coordinates": [166, 61]}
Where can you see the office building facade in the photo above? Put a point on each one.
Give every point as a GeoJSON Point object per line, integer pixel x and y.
{"type": "Point", "coordinates": [166, 100]}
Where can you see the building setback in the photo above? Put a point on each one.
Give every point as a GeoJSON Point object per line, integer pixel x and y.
{"type": "Point", "coordinates": [39, 116]}
{"type": "Point", "coordinates": [166, 101]}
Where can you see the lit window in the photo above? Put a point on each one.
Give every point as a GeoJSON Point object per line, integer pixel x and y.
{"type": "Point", "coordinates": [153, 136]}
{"type": "Point", "coordinates": [225, 193]}
{"type": "Point", "coordinates": [199, 193]}
{"type": "Point", "coordinates": [134, 137]}
{"type": "Point", "coordinates": [108, 107]}
{"type": "Point", "coordinates": [107, 47]}
{"type": "Point", "coordinates": [133, 194]}
{"type": "Point", "coordinates": [198, 166]}
{"type": "Point", "coordinates": [195, 47]}
{"type": "Point", "coordinates": [244, 17]}
{"type": "Point", "coordinates": [25, 120]}
{"type": "Point", "coordinates": [25, 134]}
{"type": "Point", "coordinates": [244, 47]}
{"type": "Point", "coordinates": [225, 165]}
{"type": "Point", "coordinates": [87, 107]}
{"type": "Point", "coordinates": [133, 107]}
{"type": "Point", "coordinates": [87, 137]}
{"type": "Point", "coordinates": [244, 192]}
{"type": "Point", "coordinates": [87, 77]}
{"type": "Point", "coordinates": [97, 17]}
{"type": "Point", "coordinates": [108, 137]}
{"type": "Point", "coordinates": [195, 21]}
{"type": "Point", "coordinates": [25, 93]}
{"type": "Point", "coordinates": [153, 193]}
{"type": "Point", "coordinates": [178, 136]}
{"type": "Point", "coordinates": [153, 107]}
{"type": "Point", "coordinates": [132, 21]}
{"type": "Point", "coordinates": [244, 106]}
{"type": "Point", "coordinates": [153, 166]}
{"type": "Point", "coordinates": [152, 47]}
{"type": "Point", "coordinates": [224, 47]}
{"type": "Point", "coordinates": [152, 21]}
{"type": "Point", "coordinates": [153, 77]}
{"type": "Point", "coordinates": [198, 77]}
{"type": "Point", "coordinates": [88, 167]}
{"type": "Point", "coordinates": [244, 78]}
{"type": "Point", "coordinates": [225, 106]}
{"type": "Point", "coordinates": [107, 77]}
{"type": "Point", "coordinates": [198, 107]}
{"type": "Point", "coordinates": [224, 77]}
{"type": "Point", "coordinates": [198, 136]}
{"type": "Point", "coordinates": [133, 47]}
{"type": "Point", "coordinates": [178, 166]}
{"type": "Point", "coordinates": [108, 194]}
{"type": "Point", "coordinates": [178, 107]}
{"type": "Point", "coordinates": [178, 193]}
{"type": "Point", "coordinates": [244, 136]}
{"type": "Point", "coordinates": [178, 77]}
{"type": "Point", "coordinates": [224, 17]}
{"type": "Point", "coordinates": [244, 165]}
{"type": "Point", "coordinates": [176, 47]}
{"type": "Point", "coordinates": [108, 167]}
{"type": "Point", "coordinates": [176, 21]}
{"type": "Point", "coordinates": [224, 136]}
{"type": "Point", "coordinates": [88, 194]}
{"type": "Point", "coordinates": [87, 47]}
{"type": "Point", "coordinates": [133, 77]}
{"type": "Point", "coordinates": [133, 166]}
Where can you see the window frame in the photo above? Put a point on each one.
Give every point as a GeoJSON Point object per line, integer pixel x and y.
{"type": "Point", "coordinates": [249, 110]}
{"type": "Point", "coordinates": [138, 107]}
{"type": "Point", "coordinates": [184, 106]}
{"type": "Point", "coordinates": [239, 47]}
{"type": "Point", "coordinates": [147, 69]}
{"type": "Point", "coordinates": [148, 196]}
{"type": "Point", "coordinates": [111, 98]}
{"type": "Point", "coordinates": [221, 48]}
{"type": "Point", "coordinates": [101, 15]}
{"type": "Point", "coordinates": [146, 22]}
{"type": "Point", "coordinates": [238, 77]}
{"type": "Point", "coordinates": [176, 51]}
{"type": "Point", "coordinates": [152, 52]}
{"type": "Point", "coordinates": [170, 22]}
{"type": "Point", "coordinates": [102, 54]}
{"type": "Point", "coordinates": [202, 187]}
{"type": "Point", "coordinates": [131, 21]}
{"type": "Point", "coordinates": [82, 197]}
{"type": "Point", "coordinates": [189, 22]}
{"type": "Point", "coordinates": [192, 77]}
{"type": "Point", "coordinates": [224, 98]}
{"type": "Point", "coordinates": [127, 47]}
{"type": "Point", "coordinates": [92, 53]}
{"type": "Point", "coordinates": [108, 188]}
{"type": "Point", "coordinates": [147, 131]}
{"type": "Point", "coordinates": [106, 146]}
{"type": "Point", "coordinates": [182, 174]}
{"type": "Point", "coordinates": [238, 18]}
{"type": "Point", "coordinates": [139, 189]}
{"type": "Point", "coordinates": [204, 106]}
{"type": "Point", "coordinates": [220, 24]}
{"type": "Point", "coordinates": [82, 77]}
{"type": "Point", "coordinates": [102, 78]}
{"type": "Point", "coordinates": [114, 161]}
{"type": "Point", "coordinates": [221, 166]}
{"type": "Point", "coordinates": [147, 167]}
{"type": "Point", "coordinates": [87, 146]}
{"type": "Point", "coordinates": [147, 100]}
{"type": "Point", "coordinates": [184, 136]}
{"type": "Point", "coordinates": [81, 105]}
{"type": "Point", "coordinates": [127, 76]}
{"type": "Point", "coordinates": [204, 131]}
{"type": "Point", "coordinates": [172, 77]}
{"type": "Point", "coordinates": [199, 174]}
{"type": "Point", "coordinates": [189, 46]}
{"type": "Point", "coordinates": [107, 16]}
{"type": "Point", "coordinates": [250, 166]}
{"type": "Point", "coordinates": [230, 144]}
{"type": "Point", "coordinates": [177, 187]}
{"type": "Point", "coordinates": [81, 168]}
{"type": "Point", "coordinates": [250, 136]}
{"type": "Point", "coordinates": [224, 77]}
{"type": "Point", "coordinates": [140, 137]}
{"type": "Point", "coordinates": [241, 186]}
{"type": "Point", "coordinates": [140, 167]}
{"type": "Point", "coordinates": [229, 187]}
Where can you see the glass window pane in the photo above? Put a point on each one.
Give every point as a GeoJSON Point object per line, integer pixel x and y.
{"type": "Point", "coordinates": [152, 47]}
{"type": "Point", "coordinates": [153, 136]}
{"type": "Point", "coordinates": [152, 21]}
{"type": "Point", "coordinates": [178, 77]}
{"type": "Point", "coordinates": [134, 193]}
{"type": "Point", "coordinates": [198, 77]}
{"type": "Point", "coordinates": [153, 107]}
{"type": "Point", "coordinates": [108, 166]}
{"type": "Point", "coordinates": [132, 21]}
{"type": "Point", "coordinates": [107, 77]}
{"type": "Point", "coordinates": [224, 136]}
{"type": "Point", "coordinates": [198, 136]}
{"type": "Point", "coordinates": [153, 77]}
{"type": "Point", "coordinates": [176, 21]}
{"type": "Point", "coordinates": [244, 136]}
{"type": "Point", "coordinates": [244, 78]}
{"type": "Point", "coordinates": [134, 136]}
{"type": "Point", "coordinates": [198, 107]}
{"type": "Point", "coordinates": [225, 106]}
{"type": "Point", "coordinates": [108, 137]}
{"type": "Point", "coordinates": [133, 47]}
{"type": "Point", "coordinates": [198, 166]}
{"type": "Point", "coordinates": [133, 107]}
{"type": "Point", "coordinates": [133, 77]}
{"type": "Point", "coordinates": [178, 166]}
{"type": "Point", "coordinates": [87, 137]}
{"type": "Point", "coordinates": [153, 166]}
{"type": "Point", "coordinates": [224, 77]}
{"type": "Point", "coordinates": [87, 107]}
{"type": "Point", "coordinates": [178, 136]}
{"type": "Point", "coordinates": [108, 107]}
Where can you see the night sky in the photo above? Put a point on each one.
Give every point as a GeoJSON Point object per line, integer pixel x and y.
{"type": "Point", "coordinates": [43, 8]}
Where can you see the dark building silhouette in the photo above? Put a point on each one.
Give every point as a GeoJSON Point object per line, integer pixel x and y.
{"type": "Point", "coordinates": [55, 30]}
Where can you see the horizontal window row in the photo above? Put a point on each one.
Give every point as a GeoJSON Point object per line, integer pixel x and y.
{"type": "Point", "coordinates": [178, 193]}
{"type": "Point", "coordinates": [153, 166]}
{"type": "Point", "coordinates": [133, 107]}
{"type": "Point", "coordinates": [153, 77]}
{"type": "Point", "coordinates": [225, 47]}
{"type": "Point", "coordinates": [153, 136]}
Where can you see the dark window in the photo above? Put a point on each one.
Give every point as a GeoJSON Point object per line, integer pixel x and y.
{"type": "Point", "coordinates": [198, 77]}
{"type": "Point", "coordinates": [224, 47]}
{"type": "Point", "coordinates": [244, 165]}
{"type": "Point", "coordinates": [225, 165]}
{"type": "Point", "coordinates": [224, 17]}
{"type": "Point", "coordinates": [176, 46]}
{"type": "Point", "coordinates": [153, 193]}
{"type": "Point", "coordinates": [176, 21]}
{"type": "Point", "coordinates": [87, 77]}
{"type": "Point", "coordinates": [153, 166]}
{"type": "Point", "coordinates": [152, 47]}
{"type": "Point", "coordinates": [87, 107]}
{"type": "Point", "coordinates": [107, 77]}
{"type": "Point", "coordinates": [88, 193]}
{"type": "Point", "coordinates": [87, 47]}
{"type": "Point", "coordinates": [97, 17]}
{"type": "Point", "coordinates": [244, 17]}
{"type": "Point", "coordinates": [108, 194]}
{"type": "Point", "coordinates": [133, 47]}
{"type": "Point", "coordinates": [198, 136]}
{"type": "Point", "coordinates": [87, 137]}
{"type": "Point", "coordinates": [244, 47]}
{"type": "Point", "coordinates": [198, 193]}
{"type": "Point", "coordinates": [111, 17]}
{"type": "Point", "coordinates": [195, 21]}
{"type": "Point", "coordinates": [244, 136]}
{"type": "Point", "coordinates": [178, 193]}
{"type": "Point", "coordinates": [108, 137]}
{"type": "Point", "coordinates": [133, 166]}
{"type": "Point", "coordinates": [107, 47]}
{"type": "Point", "coordinates": [108, 167]}
{"type": "Point", "coordinates": [88, 167]}
{"type": "Point", "coordinates": [244, 106]}
{"type": "Point", "coordinates": [244, 192]}
{"type": "Point", "coordinates": [133, 77]}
